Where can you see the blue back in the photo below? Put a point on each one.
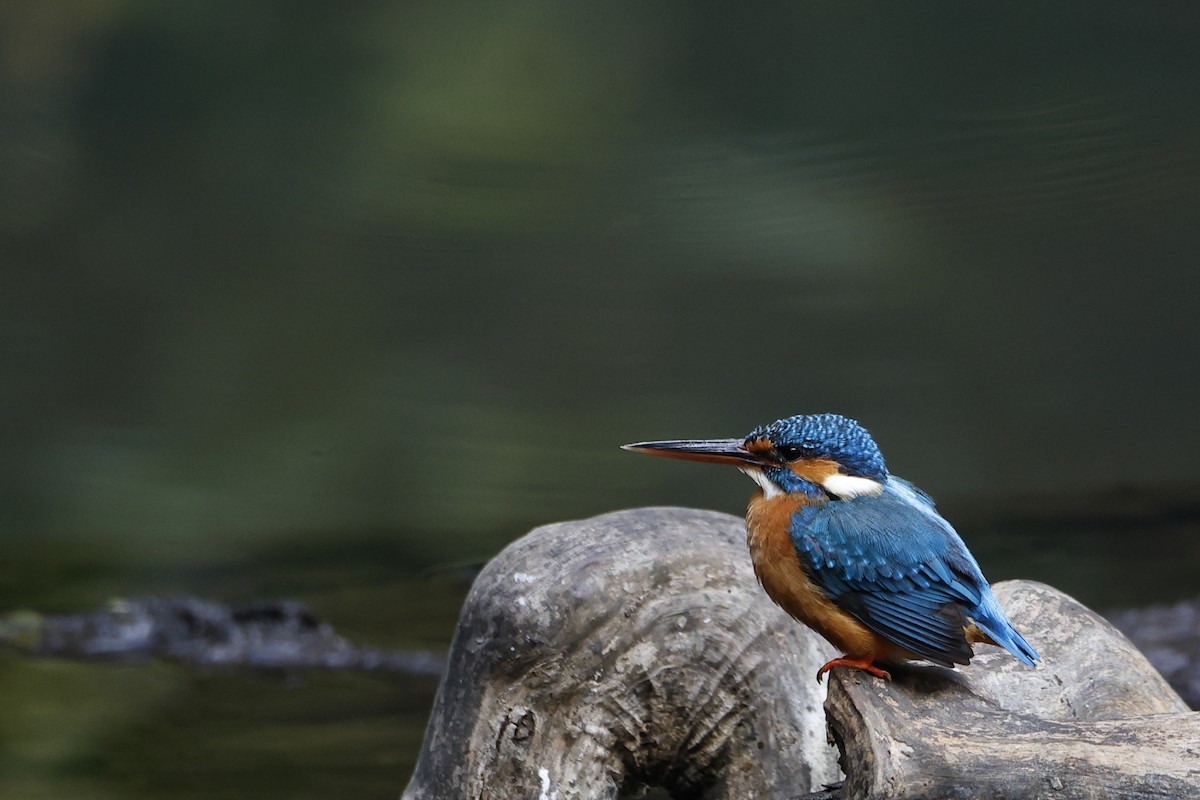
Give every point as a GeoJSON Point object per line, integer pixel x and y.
{"type": "Point", "coordinates": [895, 564]}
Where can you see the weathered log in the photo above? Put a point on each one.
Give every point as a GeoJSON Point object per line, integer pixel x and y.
{"type": "Point", "coordinates": [1093, 721]}
{"type": "Point", "coordinates": [633, 648]}
{"type": "Point", "coordinates": [636, 648]}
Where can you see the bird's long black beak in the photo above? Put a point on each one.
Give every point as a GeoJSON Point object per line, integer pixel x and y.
{"type": "Point", "coordinates": [716, 451]}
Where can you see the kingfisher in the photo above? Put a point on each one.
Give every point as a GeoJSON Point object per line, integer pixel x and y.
{"type": "Point", "coordinates": [859, 555]}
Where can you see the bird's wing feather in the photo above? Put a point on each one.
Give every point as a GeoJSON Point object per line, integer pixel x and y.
{"type": "Point", "coordinates": [896, 565]}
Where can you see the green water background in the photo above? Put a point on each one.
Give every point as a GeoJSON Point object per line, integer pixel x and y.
{"type": "Point", "coordinates": [331, 301]}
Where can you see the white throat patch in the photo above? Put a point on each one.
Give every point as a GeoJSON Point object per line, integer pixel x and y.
{"type": "Point", "coordinates": [769, 489]}
{"type": "Point", "coordinates": [848, 487]}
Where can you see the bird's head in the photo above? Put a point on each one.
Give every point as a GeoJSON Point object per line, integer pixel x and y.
{"type": "Point", "coordinates": [809, 453]}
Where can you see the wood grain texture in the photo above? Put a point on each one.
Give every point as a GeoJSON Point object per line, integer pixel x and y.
{"type": "Point", "coordinates": [1093, 721]}
{"type": "Point", "coordinates": [637, 648]}
{"type": "Point", "coordinates": [632, 648]}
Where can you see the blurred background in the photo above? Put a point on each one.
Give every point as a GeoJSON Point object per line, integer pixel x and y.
{"type": "Point", "coordinates": [332, 301]}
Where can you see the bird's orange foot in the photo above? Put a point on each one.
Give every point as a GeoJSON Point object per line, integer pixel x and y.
{"type": "Point", "coordinates": [864, 664]}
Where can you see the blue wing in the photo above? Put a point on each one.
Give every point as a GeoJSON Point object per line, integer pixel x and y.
{"type": "Point", "coordinates": [894, 563]}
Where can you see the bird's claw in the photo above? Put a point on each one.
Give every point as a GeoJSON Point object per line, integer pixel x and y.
{"type": "Point", "coordinates": [865, 664]}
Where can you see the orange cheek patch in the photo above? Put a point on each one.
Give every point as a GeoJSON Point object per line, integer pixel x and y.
{"type": "Point", "coordinates": [760, 446]}
{"type": "Point", "coordinates": [814, 470]}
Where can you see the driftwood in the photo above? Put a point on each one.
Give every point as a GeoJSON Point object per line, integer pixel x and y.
{"type": "Point", "coordinates": [631, 648]}
{"type": "Point", "coordinates": [1093, 721]}
{"type": "Point", "coordinates": [635, 648]}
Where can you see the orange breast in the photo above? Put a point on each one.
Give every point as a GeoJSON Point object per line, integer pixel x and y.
{"type": "Point", "coordinates": [777, 565]}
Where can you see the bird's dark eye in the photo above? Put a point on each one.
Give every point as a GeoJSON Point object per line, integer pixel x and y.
{"type": "Point", "coordinates": [791, 452]}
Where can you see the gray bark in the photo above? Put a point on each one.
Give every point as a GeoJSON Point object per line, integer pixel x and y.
{"type": "Point", "coordinates": [1094, 720]}
{"type": "Point", "coordinates": [636, 647]}
{"type": "Point", "coordinates": [632, 648]}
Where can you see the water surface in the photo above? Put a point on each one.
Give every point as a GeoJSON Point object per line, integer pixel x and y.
{"type": "Point", "coordinates": [300, 300]}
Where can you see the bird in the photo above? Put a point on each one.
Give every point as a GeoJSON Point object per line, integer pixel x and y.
{"type": "Point", "coordinates": [859, 555]}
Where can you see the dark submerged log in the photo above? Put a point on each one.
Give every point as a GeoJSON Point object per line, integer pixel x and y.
{"type": "Point", "coordinates": [636, 648]}
{"type": "Point", "coordinates": [270, 636]}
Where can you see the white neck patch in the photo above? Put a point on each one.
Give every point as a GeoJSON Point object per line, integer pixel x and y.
{"type": "Point", "coordinates": [848, 487]}
{"type": "Point", "coordinates": [769, 489]}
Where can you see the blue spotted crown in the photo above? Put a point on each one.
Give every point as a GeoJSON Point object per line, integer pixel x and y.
{"type": "Point", "coordinates": [830, 436]}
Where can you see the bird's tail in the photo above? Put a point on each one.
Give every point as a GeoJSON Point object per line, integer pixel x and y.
{"type": "Point", "coordinates": [990, 619]}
